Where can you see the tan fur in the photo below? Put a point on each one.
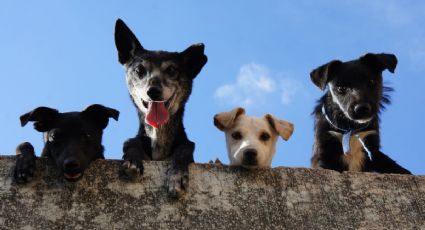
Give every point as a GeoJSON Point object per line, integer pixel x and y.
{"type": "Point", "coordinates": [283, 128]}
{"type": "Point", "coordinates": [226, 120]}
{"type": "Point", "coordinates": [356, 157]}
{"type": "Point", "coordinates": [251, 130]}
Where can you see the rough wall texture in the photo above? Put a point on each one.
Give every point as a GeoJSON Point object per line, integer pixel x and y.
{"type": "Point", "coordinates": [219, 197]}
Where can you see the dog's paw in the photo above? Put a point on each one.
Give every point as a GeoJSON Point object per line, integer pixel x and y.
{"type": "Point", "coordinates": [131, 170]}
{"type": "Point", "coordinates": [25, 163]}
{"type": "Point", "coordinates": [177, 182]}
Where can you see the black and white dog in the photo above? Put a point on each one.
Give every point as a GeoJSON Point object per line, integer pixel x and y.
{"type": "Point", "coordinates": [347, 115]}
{"type": "Point", "coordinates": [72, 140]}
{"type": "Point", "coordinates": [159, 83]}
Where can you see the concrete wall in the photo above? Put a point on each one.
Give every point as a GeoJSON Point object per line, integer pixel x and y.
{"type": "Point", "coordinates": [219, 197]}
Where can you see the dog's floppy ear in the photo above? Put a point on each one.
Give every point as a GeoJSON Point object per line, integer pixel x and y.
{"type": "Point", "coordinates": [322, 74]}
{"type": "Point", "coordinates": [126, 42]}
{"type": "Point", "coordinates": [99, 115]}
{"type": "Point", "coordinates": [194, 59]}
{"type": "Point", "coordinates": [226, 120]}
{"type": "Point", "coordinates": [283, 128]}
{"type": "Point", "coordinates": [380, 62]}
{"type": "Point", "coordinates": [44, 118]}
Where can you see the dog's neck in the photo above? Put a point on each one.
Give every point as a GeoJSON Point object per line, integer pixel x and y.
{"type": "Point", "coordinates": [347, 127]}
{"type": "Point", "coordinates": [162, 138]}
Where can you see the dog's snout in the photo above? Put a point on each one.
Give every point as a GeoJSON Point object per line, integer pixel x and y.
{"type": "Point", "coordinates": [251, 153]}
{"type": "Point", "coordinates": [71, 164]}
{"type": "Point", "coordinates": [154, 93]}
{"type": "Point", "coordinates": [250, 157]}
{"type": "Point", "coordinates": [363, 110]}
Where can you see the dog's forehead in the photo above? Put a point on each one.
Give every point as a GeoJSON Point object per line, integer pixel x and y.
{"type": "Point", "coordinates": [252, 123]}
{"type": "Point", "coordinates": [152, 60]}
{"type": "Point", "coordinates": [73, 121]}
{"type": "Point", "coordinates": [355, 71]}
{"type": "Point", "coordinates": [158, 57]}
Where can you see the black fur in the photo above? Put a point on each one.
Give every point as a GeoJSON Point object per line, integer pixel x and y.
{"type": "Point", "coordinates": [359, 95]}
{"type": "Point", "coordinates": [171, 142]}
{"type": "Point", "coordinates": [72, 140]}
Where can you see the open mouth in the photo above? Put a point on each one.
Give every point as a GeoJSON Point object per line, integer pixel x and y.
{"type": "Point", "coordinates": [146, 103]}
{"type": "Point", "coordinates": [72, 176]}
{"type": "Point", "coordinates": [157, 114]}
{"type": "Point", "coordinates": [361, 120]}
{"type": "Point", "coordinates": [365, 120]}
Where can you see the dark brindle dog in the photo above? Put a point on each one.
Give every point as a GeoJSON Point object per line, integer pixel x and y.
{"type": "Point", "coordinates": [72, 140]}
{"type": "Point", "coordinates": [347, 116]}
{"type": "Point", "coordinates": [159, 84]}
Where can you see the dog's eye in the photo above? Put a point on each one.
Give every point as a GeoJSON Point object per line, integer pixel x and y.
{"type": "Point", "coordinates": [87, 136]}
{"type": "Point", "coordinates": [237, 135]}
{"type": "Point", "coordinates": [140, 70]}
{"type": "Point", "coordinates": [341, 89]}
{"type": "Point", "coordinates": [264, 136]}
{"type": "Point", "coordinates": [54, 136]}
{"type": "Point", "coordinates": [171, 71]}
{"type": "Point", "coordinates": [51, 137]}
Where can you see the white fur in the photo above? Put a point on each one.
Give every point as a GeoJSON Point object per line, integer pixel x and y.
{"type": "Point", "coordinates": [138, 88]}
{"type": "Point", "coordinates": [251, 129]}
{"type": "Point", "coordinates": [335, 99]}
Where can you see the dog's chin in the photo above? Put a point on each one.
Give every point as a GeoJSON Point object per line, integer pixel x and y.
{"type": "Point", "coordinates": [73, 177]}
{"type": "Point", "coordinates": [250, 164]}
{"type": "Point", "coordinates": [361, 120]}
{"type": "Point", "coordinates": [250, 167]}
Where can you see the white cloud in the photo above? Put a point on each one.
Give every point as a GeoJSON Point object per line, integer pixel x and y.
{"type": "Point", "coordinates": [289, 89]}
{"type": "Point", "coordinates": [256, 86]}
{"type": "Point", "coordinates": [255, 77]}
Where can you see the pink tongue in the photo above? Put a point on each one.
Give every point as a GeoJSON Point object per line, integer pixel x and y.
{"type": "Point", "coordinates": [157, 114]}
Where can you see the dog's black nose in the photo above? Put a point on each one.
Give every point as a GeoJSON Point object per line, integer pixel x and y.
{"type": "Point", "coordinates": [250, 157]}
{"type": "Point", "coordinates": [71, 164]}
{"type": "Point", "coordinates": [154, 93]}
{"type": "Point", "coordinates": [363, 110]}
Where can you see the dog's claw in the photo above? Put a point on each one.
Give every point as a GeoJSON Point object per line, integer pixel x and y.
{"type": "Point", "coordinates": [131, 170]}
{"type": "Point", "coordinates": [126, 164]}
{"type": "Point", "coordinates": [177, 183]}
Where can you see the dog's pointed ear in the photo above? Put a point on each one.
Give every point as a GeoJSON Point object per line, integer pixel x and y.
{"type": "Point", "coordinates": [99, 115]}
{"type": "Point", "coordinates": [126, 42]}
{"type": "Point", "coordinates": [380, 62]}
{"type": "Point", "coordinates": [283, 128]}
{"type": "Point", "coordinates": [322, 74]}
{"type": "Point", "coordinates": [44, 118]}
{"type": "Point", "coordinates": [194, 59]}
{"type": "Point", "coordinates": [226, 120]}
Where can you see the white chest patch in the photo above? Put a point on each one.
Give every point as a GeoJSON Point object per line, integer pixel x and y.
{"type": "Point", "coordinates": [161, 147]}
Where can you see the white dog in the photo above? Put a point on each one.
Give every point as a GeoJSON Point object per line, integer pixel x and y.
{"type": "Point", "coordinates": [251, 141]}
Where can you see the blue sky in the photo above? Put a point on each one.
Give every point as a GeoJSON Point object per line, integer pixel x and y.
{"type": "Point", "coordinates": [61, 54]}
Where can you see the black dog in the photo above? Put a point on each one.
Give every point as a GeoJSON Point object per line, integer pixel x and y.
{"type": "Point", "coordinates": [72, 140]}
{"type": "Point", "coordinates": [159, 84]}
{"type": "Point", "coordinates": [347, 116]}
